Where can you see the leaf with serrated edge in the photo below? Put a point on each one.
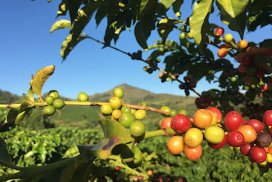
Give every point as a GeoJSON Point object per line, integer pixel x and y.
{"type": "Point", "coordinates": [233, 7]}
{"type": "Point", "coordinates": [198, 18]}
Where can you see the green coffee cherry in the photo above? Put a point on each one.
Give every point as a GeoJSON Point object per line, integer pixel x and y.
{"type": "Point", "coordinates": [49, 110]}
{"type": "Point", "coordinates": [58, 103]}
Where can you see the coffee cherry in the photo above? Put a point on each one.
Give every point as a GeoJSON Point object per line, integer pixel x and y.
{"type": "Point", "coordinates": [140, 114]}
{"type": "Point", "coordinates": [48, 110]}
{"type": "Point", "coordinates": [106, 109]}
{"type": "Point", "coordinates": [49, 100]}
{"type": "Point", "coordinates": [58, 103]}
{"type": "Point", "coordinates": [116, 113]}
{"type": "Point", "coordinates": [219, 31]}
{"type": "Point", "coordinates": [82, 97]}
{"type": "Point", "coordinates": [137, 129]}
{"type": "Point", "coordinates": [54, 94]}
{"type": "Point", "coordinates": [222, 52]}
{"type": "Point", "coordinates": [228, 38]}
{"type": "Point", "coordinates": [182, 35]}
{"type": "Point", "coordinates": [115, 102]}
{"type": "Point", "coordinates": [118, 92]}
{"type": "Point", "coordinates": [242, 44]}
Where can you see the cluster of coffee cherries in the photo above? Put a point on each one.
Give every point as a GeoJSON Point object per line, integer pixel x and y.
{"type": "Point", "coordinates": [132, 119]}
{"type": "Point", "coordinates": [255, 67]}
{"type": "Point", "coordinates": [227, 41]}
{"type": "Point", "coordinates": [53, 103]}
{"type": "Point", "coordinates": [252, 137]}
{"type": "Point", "coordinates": [187, 85]}
{"type": "Point", "coordinates": [129, 118]}
{"type": "Point", "coordinates": [254, 63]}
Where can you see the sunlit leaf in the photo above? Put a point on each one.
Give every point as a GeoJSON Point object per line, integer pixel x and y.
{"type": "Point", "coordinates": [62, 8]}
{"type": "Point", "coordinates": [167, 3]}
{"type": "Point", "coordinates": [71, 152]}
{"type": "Point", "coordinates": [237, 24]}
{"type": "Point", "coordinates": [233, 7]}
{"type": "Point", "coordinates": [60, 24]}
{"type": "Point", "coordinates": [199, 17]}
{"type": "Point", "coordinates": [114, 134]}
{"type": "Point", "coordinates": [40, 78]}
{"type": "Point", "coordinates": [20, 117]}
{"type": "Point", "coordinates": [113, 129]}
{"type": "Point", "coordinates": [30, 94]}
{"type": "Point", "coordinates": [69, 44]}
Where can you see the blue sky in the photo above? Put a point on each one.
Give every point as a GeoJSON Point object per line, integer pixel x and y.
{"type": "Point", "coordinates": [27, 45]}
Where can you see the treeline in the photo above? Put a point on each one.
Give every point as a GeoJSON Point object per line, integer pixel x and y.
{"type": "Point", "coordinates": [7, 97]}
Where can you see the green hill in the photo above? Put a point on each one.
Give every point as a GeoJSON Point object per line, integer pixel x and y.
{"type": "Point", "coordinates": [86, 116]}
{"type": "Point", "coordinates": [7, 97]}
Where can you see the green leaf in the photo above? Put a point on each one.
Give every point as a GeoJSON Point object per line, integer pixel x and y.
{"type": "Point", "coordinates": [71, 152]}
{"type": "Point", "coordinates": [148, 9]}
{"type": "Point", "coordinates": [69, 44]}
{"type": "Point", "coordinates": [70, 171]}
{"type": "Point", "coordinates": [113, 129]}
{"type": "Point", "coordinates": [12, 114]}
{"type": "Point", "coordinates": [20, 117]}
{"type": "Point", "coordinates": [199, 18]}
{"type": "Point", "coordinates": [237, 24]}
{"type": "Point", "coordinates": [177, 5]}
{"type": "Point", "coordinates": [143, 6]}
{"type": "Point", "coordinates": [73, 6]}
{"type": "Point", "coordinates": [101, 13]}
{"type": "Point", "coordinates": [82, 173]}
{"type": "Point", "coordinates": [233, 7]}
{"type": "Point", "coordinates": [30, 94]}
{"type": "Point", "coordinates": [60, 24]}
{"type": "Point", "coordinates": [140, 35]}
{"type": "Point", "coordinates": [167, 3]}
{"type": "Point", "coordinates": [114, 134]}
{"type": "Point", "coordinates": [164, 29]}
{"type": "Point", "coordinates": [4, 154]}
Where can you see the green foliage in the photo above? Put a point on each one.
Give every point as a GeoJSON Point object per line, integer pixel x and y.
{"type": "Point", "coordinates": [184, 57]}
{"type": "Point", "coordinates": [7, 97]}
{"type": "Point", "coordinates": [36, 147]}
{"type": "Point", "coordinates": [199, 19]}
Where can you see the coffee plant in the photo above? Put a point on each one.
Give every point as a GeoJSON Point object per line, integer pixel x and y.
{"type": "Point", "coordinates": [124, 130]}
{"type": "Point", "coordinates": [238, 113]}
